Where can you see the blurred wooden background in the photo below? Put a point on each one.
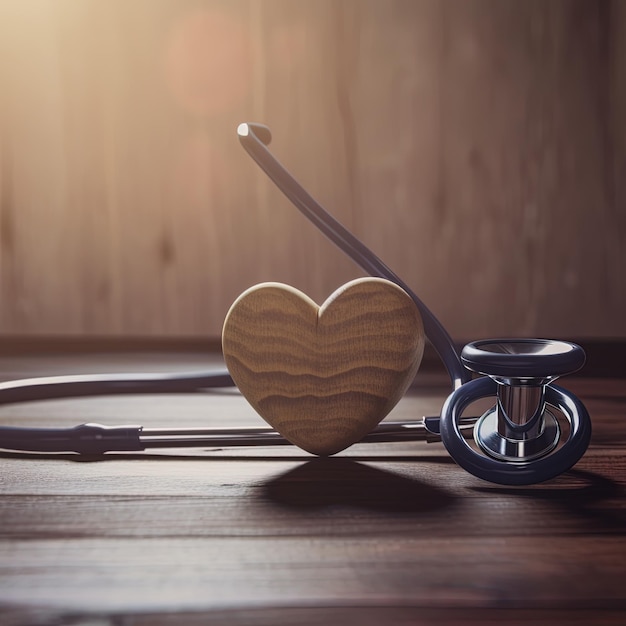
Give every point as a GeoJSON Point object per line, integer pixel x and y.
{"type": "Point", "coordinates": [478, 146]}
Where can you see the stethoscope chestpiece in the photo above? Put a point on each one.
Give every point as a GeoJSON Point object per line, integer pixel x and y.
{"type": "Point", "coordinates": [519, 437]}
{"type": "Point", "coordinates": [521, 359]}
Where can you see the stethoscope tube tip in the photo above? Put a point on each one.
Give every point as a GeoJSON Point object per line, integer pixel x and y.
{"type": "Point", "coordinates": [260, 131]}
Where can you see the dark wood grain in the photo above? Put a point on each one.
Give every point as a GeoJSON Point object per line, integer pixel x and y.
{"type": "Point", "coordinates": [380, 534]}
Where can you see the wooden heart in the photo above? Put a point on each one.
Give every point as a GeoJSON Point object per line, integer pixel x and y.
{"type": "Point", "coordinates": [323, 377]}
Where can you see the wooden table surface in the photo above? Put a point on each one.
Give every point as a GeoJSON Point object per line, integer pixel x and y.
{"type": "Point", "coordinates": [380, 534]}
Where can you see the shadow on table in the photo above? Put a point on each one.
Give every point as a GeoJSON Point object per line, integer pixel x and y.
{"type": "Point", "coordinates": [325, 482]}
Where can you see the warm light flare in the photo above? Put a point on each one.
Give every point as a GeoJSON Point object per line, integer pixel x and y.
{"type": "Point", "coordinates": [207, 61]}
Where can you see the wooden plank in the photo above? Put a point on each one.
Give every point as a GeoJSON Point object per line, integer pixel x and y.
{"type": "Point", "coordinates": [466, 142]}
{"type": "Point", "coordinates": [370, 616]}
{"type": "Point", "coordinates": [130, 575]}
{"type": "Point", "coordinates": [616, 130]}
{"type": "Point", "coordinates": [520, 78]}
{"type": "Point", "coordinates": [394, 531]}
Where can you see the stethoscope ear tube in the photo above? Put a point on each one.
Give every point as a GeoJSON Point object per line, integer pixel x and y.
{"type": "Point", "coordinates": [508, 473]}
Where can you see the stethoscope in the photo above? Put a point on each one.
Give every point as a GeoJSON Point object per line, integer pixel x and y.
{"type": "Point", "coordinates": [534, 432]}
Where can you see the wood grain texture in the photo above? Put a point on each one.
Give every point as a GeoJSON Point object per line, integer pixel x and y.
{"type": "Point", "coordinates": [477, 146]}
{"type": "Point", "coordinates": [616, 129]}
{"type": "Point", "coordinates": [380, 534]}
{"type": "Point", "coordinates": [324, 376]}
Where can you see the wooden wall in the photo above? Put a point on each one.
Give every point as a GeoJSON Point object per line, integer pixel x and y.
{"type": "Point", "coordinates": [616, 145]}
{"type": "Point", "coordinates": [478, 146]}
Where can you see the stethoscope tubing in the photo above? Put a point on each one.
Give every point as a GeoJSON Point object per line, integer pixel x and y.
{"type": "Point", "coordinates": [451, 427]}
{"type": "Point", "coordinates": [97, 439]}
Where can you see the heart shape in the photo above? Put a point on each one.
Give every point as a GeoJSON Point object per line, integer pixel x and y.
{"type": "Point", "coordinates": [323, 377]}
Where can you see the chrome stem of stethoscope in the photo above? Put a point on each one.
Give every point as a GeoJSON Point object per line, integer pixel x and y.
{"type": "Point", "coordinates": [255, 138]}
{"type": "Point", "coordinates": [386, 432]}
{"type": "Point", "coordinates": [96, 439]}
